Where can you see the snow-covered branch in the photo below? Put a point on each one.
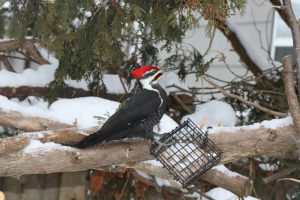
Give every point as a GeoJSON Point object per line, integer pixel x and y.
{"type": "Point", "coordinates": [39, 158]}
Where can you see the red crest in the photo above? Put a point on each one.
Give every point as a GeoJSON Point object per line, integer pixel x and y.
{"type": "Point", "coordinates": [139, 72]}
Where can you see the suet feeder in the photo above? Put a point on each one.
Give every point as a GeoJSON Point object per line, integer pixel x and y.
{"type": "Point", "coordinates": [186, 152]}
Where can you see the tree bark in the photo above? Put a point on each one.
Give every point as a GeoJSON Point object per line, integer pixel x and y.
{"type": "Point", "coordinates": [288, 77]}
{"type": "Point", "coordinates": [234, 145]}
{"type": "Point", "coordinates": [295, 28]}
{"type": "Point", "coordinates": [278, 7]}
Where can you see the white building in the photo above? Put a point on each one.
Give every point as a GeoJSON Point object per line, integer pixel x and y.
{"type": "Point", "coordinates": [262, 31]}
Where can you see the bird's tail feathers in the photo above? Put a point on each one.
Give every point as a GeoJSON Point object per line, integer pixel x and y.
{"type": "Point", "coordinates": [90, 140]}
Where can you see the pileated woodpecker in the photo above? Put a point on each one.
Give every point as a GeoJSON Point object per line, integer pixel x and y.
{"type": "Point", "coordinates": [139, 114]}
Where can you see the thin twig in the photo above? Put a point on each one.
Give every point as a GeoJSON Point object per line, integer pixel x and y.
{"type": "Point", "coordinates": [241, 99]}
{"type": "Point", "coordinates": [210, 42]}
{"type": "Point", "coordinates": [281, 174]}
{"type": "Point", "coordinates": [289, 179]}
{"type": "Point", "coordinates": [123, 189]}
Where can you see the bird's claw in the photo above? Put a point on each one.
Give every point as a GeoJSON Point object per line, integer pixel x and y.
{"type": "Point", "coordinates": [162, 144]}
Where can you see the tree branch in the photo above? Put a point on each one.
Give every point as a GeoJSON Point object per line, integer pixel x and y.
{"type": "Point", "coordinates": [27, 44]}
{"type": "Point", "coordinates": [281, 174]}
{"type": "Point", "coordinates": [295, 28]}
{"type": "Point", "coordinates": [279, 8]}
{"type": "Point", "coordinates": [290, 91]}
{"type": "Point", "coordinates": [241, 99]}
{"type": "Point", "coordinates": [6, 63]}
{"type": "Point", "coordinates": [236, 145]}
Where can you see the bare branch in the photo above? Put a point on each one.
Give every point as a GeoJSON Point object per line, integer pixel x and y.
{"type": "Point", "coordinates": [241, 99]}
{"type": "Point", "coordinates": [6, 63]}
{"type": "Point", "coordinates": [295, 28]}
{"type": "Point", "coordinates": [279, 8]}
{"type": "Point", "coordinates": [27, 44]}
{"type": "Point", "coordinates": [290, 91]}
{"type": "Point", "coordinates": [281, 174]}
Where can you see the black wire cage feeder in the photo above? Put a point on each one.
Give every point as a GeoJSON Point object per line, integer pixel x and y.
{"type": "Point", "coordinates": [186, 152]}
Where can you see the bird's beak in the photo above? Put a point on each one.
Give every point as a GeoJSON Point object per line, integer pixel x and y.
{"type": "Point", "coordinates": [158, 75]}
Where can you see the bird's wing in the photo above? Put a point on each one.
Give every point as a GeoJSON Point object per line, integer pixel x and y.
{"type": "Point", "coordinates": [139, 106]}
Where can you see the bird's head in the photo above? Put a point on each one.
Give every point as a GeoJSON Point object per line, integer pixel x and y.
{"type": "Point", "coordinates": [147, 75]}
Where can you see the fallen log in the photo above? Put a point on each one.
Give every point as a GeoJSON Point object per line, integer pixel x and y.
{"type": "Point", "coordinates": [234, 145]}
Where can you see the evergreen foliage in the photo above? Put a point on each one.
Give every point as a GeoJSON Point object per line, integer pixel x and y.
{"type": "Point", "coordinates": [91, 37]}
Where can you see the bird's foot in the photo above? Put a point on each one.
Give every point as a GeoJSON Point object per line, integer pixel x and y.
{"type": "Point", "coordinates": [162, 144]}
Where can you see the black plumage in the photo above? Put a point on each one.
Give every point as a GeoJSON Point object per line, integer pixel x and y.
{"type": "Point", "coordinates": [136, 118]}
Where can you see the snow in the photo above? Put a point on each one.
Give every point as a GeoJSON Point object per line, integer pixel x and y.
{"type": "Point", "coordinates": [37, 146]}
{"type": "Point", "coordinates": [162, 182]}
{"type": "Point", "coordinates": [153, 162]}
{"type": "Point", "coordinates": [82, 110]}
{"type": "Point", "coordinates": [226, 171]}
{"type": "Point", "coordinates": [271, 124]}
{"type": "Point", "coordinates": [66, 111]}
{"type": "Point", "coordinates": [166, 125]}
{"type": "Point", "coordinates": [143, 174]}
{"type": "Point", "coordinates": [6, 5]}
{"type": "Point", "coordinates": [268, 166]}
{"type": "Point", "coordinates": [252, 51]}
{"type": "Point", "coordinates": [213, 113]}
{"type": "Point", "coordinates": [44, 74]}
{"type": "Point", "coordinates": [222, 194]}
{"type": "Point", "coordinates": [29, 77]}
